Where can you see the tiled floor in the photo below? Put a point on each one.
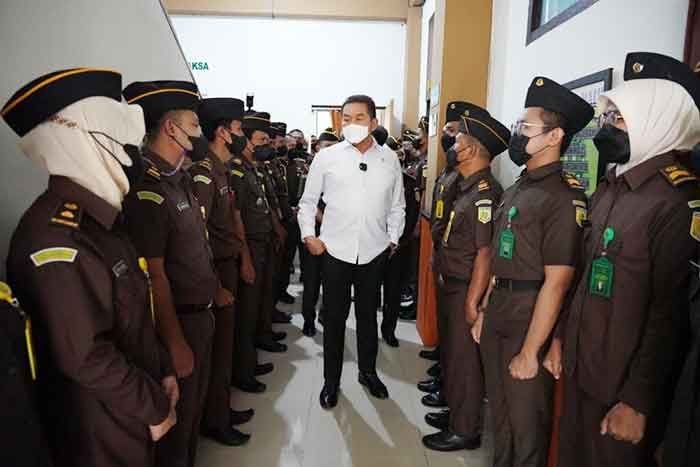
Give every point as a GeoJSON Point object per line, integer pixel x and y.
{"type": "Point", "coordinates": [291, 430]}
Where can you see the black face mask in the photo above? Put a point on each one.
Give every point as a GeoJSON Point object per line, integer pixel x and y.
{"type": "Point", "coordinates": [516, 149]}
{"type": "Point", "coordinates": [237, 144]}
{"type": "Point", "coordinates": [300, 146]}
{"type": "Point", "coordinates": [282, 150]}
{"type": "Point", "coordinates": [447, 142]}
{"type": "Point", "coordinates": [200, 146]}
{"type": "Point", "coordinates": [451, 157]}
{"type": "Point", "coordinates": [263, 153]}
{"type": "Point", "coordinates": [137, 170]}
{"type": "Point", "coordinates": [613, 145]}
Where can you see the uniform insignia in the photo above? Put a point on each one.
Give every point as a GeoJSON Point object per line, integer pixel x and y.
{"type": "Point", "coordinates": [238, 173]}
{"type": "Point", "coordinates": [182, 205]}
{"type": "Point", "coordinates": [54, 255]}
{"type": "Point", "coordinates": [484, 185]}
{"type": "Point", "coordinates": [483, 202]}
{"type": "Point", "coordinates": [67, 214]}
{"type": "Point", "coordinates": [694, 204]}
{"type": "Point", "coordinates": [202, 179]}
{"type": "Point", "coordinates": [206, 163]}
{"type": "Point", "coordinates": [695, 226]}
{"type": "Point", "coordinates": [237, 160]}
{"type": "Point", "coordinates": [484, 214]}
{"type": "Point", "coordinates": [152, 171]}
{"type": "Point", "coordinates": [120, 268]}
{"type": "Point", "coordinates": [224, 190]}
{"type": "Point", "coordinates": [581, 211]}
{"type": "Point", "coordinates": [572, 181]}
{"type": "Point", "coordinates": [150, 196]}
{"type": "Point", "coordinates": [677, 174]}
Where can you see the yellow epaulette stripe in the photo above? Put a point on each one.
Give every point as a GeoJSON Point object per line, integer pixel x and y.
{"type": "Point", "coordinates": [160, 91]}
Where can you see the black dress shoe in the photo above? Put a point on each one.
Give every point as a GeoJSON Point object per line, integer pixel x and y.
{"type": "Point", "coordinates": [279, 336]}
{"type": "Point", "coordinates": [372, 382]}
{"type": "Point", "coordinates": [430, 385]}
{"type": "Point", "coordinates": [432, 355]}
{"type": "Point", "coordinates": [329, 396]}
{"type": "Point", "coordinates": [264, 369]}
{"type": "Point", "coordinates": [309, 329]}
{"type": "Point", "coordinates": [434, 370]}
{"type": "Point", "coordinates": [280, 317]}
{"type": "Point", "coordinates": [390, 339]}
{"type": "Point", "coordinates": [272, 347]}
{"type": "Point", "coordinates": [286, 298]}
{"type": "Point", "coordinates": [254, 386]}
{"type": "Point", "coordinates": [239, 417]}
{"type": "Point", "coordinates": [228, 437]}
{"type": "Point", "coordinates": [435, 399]}
{"type": "Point", "coordinates": [447, 441]}
{"type": "Point", "coordinates": [408, 314]}
{"type": "Point", "coordinates": [439, 420]}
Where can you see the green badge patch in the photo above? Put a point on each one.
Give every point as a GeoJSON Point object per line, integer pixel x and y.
{"type": "Point", "coordinates": [150, 196]}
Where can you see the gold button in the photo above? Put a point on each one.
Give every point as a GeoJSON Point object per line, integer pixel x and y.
{"type": "Point", "coordinates": [539, 82]}
{"type": "Point", "coordinates": [466, 113]}
{"type": "Point", "coordinates": [637, 67]}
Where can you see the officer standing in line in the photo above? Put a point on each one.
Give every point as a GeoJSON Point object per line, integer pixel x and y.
{"type": "Point", "coordinates": [461, 265]}
{"type": "Point", "coordinates": [210, 178]}
{"type": "Point", "coordinates": [311, 264]}
{"type": "Point", "coordinates": [538, 233]}
{"type": "Point", "coordinates": [444, 193]}
{"type": "Point", "coordinates": [253, 199]}
{"type": "Point", "coordinates": [166, 224]}
{"type": "Point", "coordinates": [624, 329]}
{"type": "Point", "coordinates": [105, 384]}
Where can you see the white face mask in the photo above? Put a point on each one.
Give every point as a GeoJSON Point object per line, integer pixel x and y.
{"type": "Point", "coordinates": [355, 133]}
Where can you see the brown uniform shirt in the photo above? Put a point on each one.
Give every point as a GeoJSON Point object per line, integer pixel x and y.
{"type": "Point", "coordinates": [100, 364]}
{"type": "Point", "coordinates": [444, 194]}
{"type": "Point", "coordinates": [469, 227]}
{"type": "Point", "coordinates": [297, 171]}
{"type": "Point", "coordinates": [165, 220]}
{"type": "Point", "coordinates": [249, 185]}
{"type": "Point", "coordinates": [623, 346]}
{"type": "Point", "coordinates": [211, 186]}
{"type": "Point", "coordinates": [278, 172]}
{"type": "Point", "coordinates": [548, 226]}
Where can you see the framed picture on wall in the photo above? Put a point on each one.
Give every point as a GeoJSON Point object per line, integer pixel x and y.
{"type": "Point", "coordinates": [581, 159]}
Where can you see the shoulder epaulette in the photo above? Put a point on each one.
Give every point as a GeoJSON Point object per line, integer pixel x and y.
{"type": "Point", "coordinates": [205, 164]}
{"type": "Point", "coordinates": [677, 174]}
{"type": "Point", "coordinates": [484, 185]}
{"type": "Point", "coordinates": [68, 215]}
{"type": "Point", "coordinates": [237, 161]}
{"type": "Point", "coordinates": [572, 181]}
{"type": "Point", "coordinates": [152, 171]}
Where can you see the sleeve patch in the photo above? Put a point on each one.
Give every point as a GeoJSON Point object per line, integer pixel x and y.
{"type": "Point", "coordinates": [484, 202]}
{"type": "Point", "coordinates": [238, 173]}
{"type": "Point", "coordinates": [694, 204]}
{"type": "Point", "coordinates": [695, 226]}
{"type": "Point", "coordinates": [484, 214]}
{"type": "Point", "coordinates": [202, 179]}
{"type": "Point", "coordinates": [54, 255]}
{"type": "Point", "coordinates": [150, 196]}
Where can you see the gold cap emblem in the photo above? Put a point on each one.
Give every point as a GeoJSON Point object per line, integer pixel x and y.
{"type": "Point", "coordinates": [637, 67]}
{"type": "Point", "coordinates": [539, 82]}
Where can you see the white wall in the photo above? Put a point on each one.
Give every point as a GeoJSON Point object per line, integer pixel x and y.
{"type": "Point", "coordinates": [292, 64]}
{"type": "Point", "coordinates": [428, 12]}
{"type": "Point", "coordinates": [41, 36]}
{"type": "Point", "coordinates": [596, 39]}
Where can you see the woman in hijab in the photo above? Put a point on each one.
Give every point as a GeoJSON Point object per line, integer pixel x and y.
{"type": "Point", "coordinates": [621, 328]}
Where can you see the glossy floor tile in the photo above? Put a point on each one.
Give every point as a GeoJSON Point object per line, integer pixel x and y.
{"type": "Point", "coordinates": [291, 430]}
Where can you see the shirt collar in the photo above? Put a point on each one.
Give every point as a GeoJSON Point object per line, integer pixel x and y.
{"type": "Point", "coordinates": [163, 166]}
{"type": "Point", "coordinates": [99, 209]}
{"type": "Point", "coordinates": [466, 183]}
{"type": "Point", "coordinates": [636, 176]}
{"type": "Point", "coordinates": [541, 172]}
{"type": "Point", "coordinates": [217, 164]}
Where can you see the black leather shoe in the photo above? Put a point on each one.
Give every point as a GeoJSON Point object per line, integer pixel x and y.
{"type": "Point", "coordinates": [434, 370]}
{"type": "Point", "coordinates": [264, 369]}
{"type": "Point", "coordinates": [309, 329]}
{"type": "Point", "coordinates": [432, 355]}
{"type": "Point", "coordinates": [439, 420]}
{"type": "Point", "coordinates": [286, 298]}
{"type": "Point", "coordinates": [447, 441]}
{"type": "Point", "coordinates": [329, 396]}
{"type": "Point", "coordinates": [435, 399]}
{"type": "Point", "coordinates": [390, 339]}
{"type": "Point", "coordinates": [239, 417]}
{"type": "Point", "coordinates": [430, 385]}
{"type": "Point", "coordinates": [278, 336]}
{"type": "Point", "coordinates": [228, 437]}
{"type": "Point", "coordinates": [254, 386]}
{"type": "Point", "coordinates": [372, 382]}
{"type": "Point", "coordinates": [272, 347]}
{"type": "Point", "coordinates": [280, 317]}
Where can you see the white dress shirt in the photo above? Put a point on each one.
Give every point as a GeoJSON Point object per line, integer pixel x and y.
{"type": "Point", "coordinates": [365, 210]}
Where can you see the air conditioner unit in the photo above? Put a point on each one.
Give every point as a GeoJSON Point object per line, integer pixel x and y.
{"type": "Point", "coordinates": [416, 3]}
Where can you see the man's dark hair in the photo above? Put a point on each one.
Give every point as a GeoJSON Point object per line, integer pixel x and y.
{"type": "Point", "coordinates": [209, 128]}
{"type": "Point", "coordinates": [556, 120]}
{"type": "Point", "coordinates": [362, 99]}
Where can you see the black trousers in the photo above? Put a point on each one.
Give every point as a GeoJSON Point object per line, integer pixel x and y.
{"type": "Point", "coordinates": [338, 276]}
{"type": "Point", "coordinates": [287, 258]}
{"type": "Point", "coordinates": [311, 266]}
{"type": "Point", "coordinates": [396, 276]}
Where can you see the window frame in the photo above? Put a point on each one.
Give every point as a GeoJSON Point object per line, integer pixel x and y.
{"type": "Point", "coordinates": [534, 12]}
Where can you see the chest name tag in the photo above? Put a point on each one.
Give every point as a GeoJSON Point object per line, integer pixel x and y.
{"type": "Point", "coordinates": [602, 269]}
{"type": "Point", "coordinates": [506, 245]}
{"type": "Point", "coordinates": [182, 205]}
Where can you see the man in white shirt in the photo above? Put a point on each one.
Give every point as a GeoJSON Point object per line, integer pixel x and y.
{"type": "Point", "coordinates": [362, 187]}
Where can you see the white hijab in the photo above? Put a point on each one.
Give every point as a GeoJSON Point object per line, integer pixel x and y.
{"type": "Point", "coordinates": [660, 116]}
{"type": "Point", "coordinates": [64, 147]}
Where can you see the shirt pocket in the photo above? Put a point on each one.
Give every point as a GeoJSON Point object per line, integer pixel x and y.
{"type": "Point", "coordinates": [131, 295]}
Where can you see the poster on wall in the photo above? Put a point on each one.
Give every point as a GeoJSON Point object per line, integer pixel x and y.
{"type": "Point", "coordinates": [581, 159]}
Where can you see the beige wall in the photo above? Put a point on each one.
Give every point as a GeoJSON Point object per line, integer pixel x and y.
{"type": "Point", "coordinates": [393, 10]}
{"type": "Point", "coordinates": [412, 78]}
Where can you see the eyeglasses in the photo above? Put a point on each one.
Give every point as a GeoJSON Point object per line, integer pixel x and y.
{"type": "Point", "coordinates": [517, 127]}
{"type": "Point", "coordinates": [612, 117]}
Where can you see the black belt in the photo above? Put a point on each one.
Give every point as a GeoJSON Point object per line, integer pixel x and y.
{"type": "Point", "coordinates": [517, 285]}
{"type": "Point", "coordinates": [192, 309]}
